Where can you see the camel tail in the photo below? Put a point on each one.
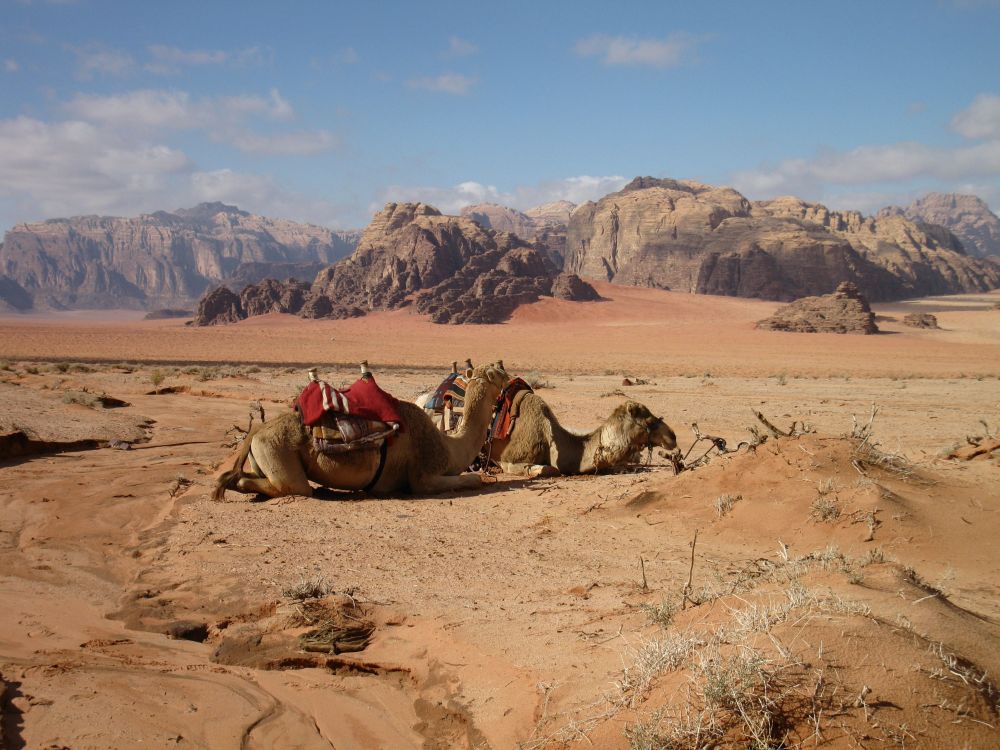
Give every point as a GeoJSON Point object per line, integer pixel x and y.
{"type": "Point", "coordinates": [228, 479]}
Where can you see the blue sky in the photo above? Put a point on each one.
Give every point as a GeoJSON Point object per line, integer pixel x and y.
{"type": "Point", "coordinates": [324, 111]}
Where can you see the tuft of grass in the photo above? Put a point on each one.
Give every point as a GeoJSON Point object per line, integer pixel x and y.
{"type": "Point", "coordinates": [536, 380]}
{"type": "Point", "coordinates": [156, 378]}
{"type": "Point", "coordinates": [825, 509]}
{"type": "Point", "coordinates": [313, 588]}
{"type": "Point", "coordinates": [81, 397]}
{"type": "Point", "coordinates": [724, 503]}
{"type": "Point", "coordinates": [661, 614]}
{"type": "Point", "coordinates": [61, 366]}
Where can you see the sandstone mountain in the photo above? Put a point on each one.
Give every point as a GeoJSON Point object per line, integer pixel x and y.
{"type": "Point", "coordinates": [967, 216]}
{"type": "Point", "coordinates": [154, 260]}
{"type": "Point", "coordinates": [451, 268]}
{"type": "Point", "coordinates": [691, 237]}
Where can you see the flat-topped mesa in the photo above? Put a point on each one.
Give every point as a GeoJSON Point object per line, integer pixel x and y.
{"type": "Point", "coordinates": [844, 311]}
{"type": "Point", "coordinates": [691, 237]}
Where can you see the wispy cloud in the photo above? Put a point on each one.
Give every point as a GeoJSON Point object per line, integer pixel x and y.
{"type": "Point", "coordinates": [11, 66]}
{"type": "Point", "coordinates": [451, 200]}
{"type": "Point", "coordinates": [980, 120]}
{"type": "Point", "coordinates": [669, 52]}
{"type": "Point", "coordinates": [447, 83]}
{"type": "Point", "coordinates": [96, 59]}
{"type": "Point", "coordinates": [832, 174]}
{"type": "Point", "coordinates": [225, 119]}
{"type": "Point", "coordinates": [458, 47]}
{"type": "Point", "coordinates": [168, 60]}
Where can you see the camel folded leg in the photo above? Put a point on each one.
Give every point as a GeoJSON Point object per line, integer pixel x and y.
{"type": "Point", "coordinates": [530, 470]}
{"type": "Point", "coordinates": [281, 472]}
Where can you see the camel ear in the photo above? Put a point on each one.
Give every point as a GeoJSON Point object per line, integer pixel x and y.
{"type": "Point", "coordinates": [468, 373]}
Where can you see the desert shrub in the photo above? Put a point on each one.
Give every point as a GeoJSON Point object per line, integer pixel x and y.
{"type": "Point", "coordinates": [312, 588]}
{"type": "Point", "coordinates": [156, 378]}
{"type": "Point", "coordinates": [61, 366]}
{"type": "Point", "coordinates": [81, 397]}
{"type": "Point", "coordinates": [661, 614]}
{"type": "Point", "coordinates": [536, 380]}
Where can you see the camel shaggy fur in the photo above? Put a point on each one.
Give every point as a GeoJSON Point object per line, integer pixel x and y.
{"type": "Point", "coordinates": [421, 460]}
{"type": "Point", "coordinates": [539, 446]}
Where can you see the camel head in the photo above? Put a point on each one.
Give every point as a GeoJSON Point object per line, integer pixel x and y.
{"type": "Point", "coordinates": [654, 431]}
{"type": "Point", "coordinates": [492, 376]}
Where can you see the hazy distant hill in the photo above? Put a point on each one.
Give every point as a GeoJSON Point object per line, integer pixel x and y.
{"type": "Point", "coordinates": [155, 260]}
{"type": "Point", "coordinates": [967, 216]}
{"type": "Point", "coordinates": [690, 237]}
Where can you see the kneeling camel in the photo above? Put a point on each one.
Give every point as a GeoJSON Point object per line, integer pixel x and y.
{"type": "Point", "coordinates": [421, 460]}
{"type": "Point", "coordinates": [539, 446]}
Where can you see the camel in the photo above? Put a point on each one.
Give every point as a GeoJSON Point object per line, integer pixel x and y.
{"type": "Point", "coordinates": [539, 446]}
{"type": "Point", "coordinates": [420, 460]}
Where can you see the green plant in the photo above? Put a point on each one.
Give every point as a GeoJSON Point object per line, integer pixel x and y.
{"type": "Point", "coordinates": [661, 614]}
{"type": "Point", "coordinates": [156, 378]}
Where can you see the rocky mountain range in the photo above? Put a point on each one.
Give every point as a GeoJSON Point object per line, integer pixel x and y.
{"type": "Point", "coordinates": [545, 224]}
{"type": "Point", "coordinates": [450, 267]}
{"type": "Point", "coordinates": [155, 260]}
{"type": "Point", "coordinates": [690, 237]}
{"type": "Point", "coordinates": [967, 216]}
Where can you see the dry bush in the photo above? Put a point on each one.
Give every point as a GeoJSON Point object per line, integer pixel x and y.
{"type": "Point", "coordinates": [661, 614]}
{"type": "Point", "coordinates": [724, 503]}
{"type": "Point", "coordinates": [81, 397]}
{"type": "Point", "coordinates": [311, 588]}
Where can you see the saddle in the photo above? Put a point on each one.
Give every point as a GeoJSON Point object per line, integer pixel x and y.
{"type": "Point", "coordinates": [361, 417]}
{"type": "Point", "coordinates": [506, 410]}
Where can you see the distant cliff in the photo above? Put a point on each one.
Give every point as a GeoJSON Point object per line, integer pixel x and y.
{"type": "Point", "coordinates": [966, 216]}
{"type": "Point", "coordinates": [156, 260]}
{"type": "Point", "coordinates": [686, 236]}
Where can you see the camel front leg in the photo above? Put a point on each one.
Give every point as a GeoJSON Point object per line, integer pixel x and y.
{"type": "Point", "coordinates": [432, 485]}
{"type": "Point", "coordinates": [530, 470]}
{"type": "Point", "coordinates": [258, 486]}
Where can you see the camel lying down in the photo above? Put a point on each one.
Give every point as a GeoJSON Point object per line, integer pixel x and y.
{"type": "Point", "coordinates": [421, 460]}
{"type": "Point", "coordinates": [539, 446]}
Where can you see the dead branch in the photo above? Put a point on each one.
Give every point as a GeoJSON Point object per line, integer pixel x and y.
{"type": "Point", "coordinates": [687, 586]}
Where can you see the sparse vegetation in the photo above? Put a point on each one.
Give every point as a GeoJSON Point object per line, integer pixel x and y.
{"type": "Point", "coordinates": [825, 509]}
{"type": "Point", "coordinates": [312, 588]}
{"type": "Point", "coordinates": [156, 378]}
{"type": "Point", "coordinates": [536, 380]}
{"type": "Point", "coordinates": [724, 503]}
{"type": "Point", "coordinates": [661, 614]}
{"type": "Point", "coordinates": [81, 397]}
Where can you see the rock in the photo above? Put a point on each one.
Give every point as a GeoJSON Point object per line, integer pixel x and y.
{"type": "Point", "coordinates": [844, 311]}
{"type": "Point", "coordinates": [920, 320]}
{"type": "Point", "coordinates": [155, 260]}
{"type": "Point", "coordinates": [569, 286]}
{"type": "Point", "coordinates": [246, 274]}
{"type": "Point", "coordinates": [13, 296]}
{"type": "Point", "coordinates": [271, 295]}
{"type": "Point", "coordinates": [187, 630]}
{"type": "Point", "coordinates": [690, 237]}
{"type": "Point", "coordinates": [219, 306]}
{"type": "Point", "coordinates": [966, 216]}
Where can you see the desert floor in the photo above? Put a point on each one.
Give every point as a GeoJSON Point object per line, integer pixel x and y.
{"type": "Point", "coordinates": [842, 592]}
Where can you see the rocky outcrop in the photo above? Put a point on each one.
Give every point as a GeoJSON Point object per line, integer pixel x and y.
{"type": "Point", "coordinates": [844, 311]}
{"type": "Point", "coordinates": [217, 307]}
{"type": "Point", "coordinates": [502, 219]}
{"type": "Point", "coordinates": [569, 286]}
{"type": "Point", "coordinates": [687, 236]}
{"type": "Point", "coordinates": [451, 268]}
{"type": "Point", "coordinates": [920, 320]}
{"type": "Point", "coordinates": [966, 216]}
{"type": "Point", "coordinates": [154, 260]}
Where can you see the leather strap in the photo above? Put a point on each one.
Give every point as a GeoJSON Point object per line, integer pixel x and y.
{"type": "Point", "coordinates": [381, 465]}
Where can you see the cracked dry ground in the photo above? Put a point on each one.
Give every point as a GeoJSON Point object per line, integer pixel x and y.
{"type": "Point", "coordinates": [837, 602]}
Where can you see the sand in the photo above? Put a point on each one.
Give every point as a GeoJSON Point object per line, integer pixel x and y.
{"type": "Point", "coordinates": [857, 591]}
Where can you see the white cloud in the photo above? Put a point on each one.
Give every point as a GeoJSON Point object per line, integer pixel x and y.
{"type": "Point", "coordinates": [451, 200]}
{"type": "Point", "coordinates": [73, 167]}
{"type": "Point", "coordinates": [896, 170]}
{"type": "Point", "coordinates": [224, 119]}
{"type": "Point", "coordinates": [447, 83]}
{"type": "Point", "coordinates": [11, 66]}
{"type": "Point", "coordinates": [96, 59]}
{"type": "Point", "coordinates": [669, 52]}
{"type": "Point", "coordinates": [458, 47]}
{"type": "Point", "coordinates": [981, 119]}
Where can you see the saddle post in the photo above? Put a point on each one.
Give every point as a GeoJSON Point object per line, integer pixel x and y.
{"type": "Point", "coordinates": [366, 374]}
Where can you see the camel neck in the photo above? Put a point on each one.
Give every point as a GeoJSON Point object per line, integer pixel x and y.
{"type": "Point", "coordinates": [466, 442]}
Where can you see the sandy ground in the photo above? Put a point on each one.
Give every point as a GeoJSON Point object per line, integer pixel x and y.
{"type": "Point", "coordinates": [838, 598]}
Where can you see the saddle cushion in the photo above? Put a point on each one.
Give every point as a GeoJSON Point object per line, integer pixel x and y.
{"type": "Point", "coordinates": [507, 408]}
{"type": "Point", "coordinates": [452, 389]}
{"type": "Point", "coordinates": [362, 399]}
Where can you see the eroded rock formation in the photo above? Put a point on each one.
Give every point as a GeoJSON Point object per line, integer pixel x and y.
{"type": "Point", "coordinates": [844, 311]}
{"type": "Point", "coordinates": [451, 268]}
{"type": "Point", "coordinates": [687, 236]}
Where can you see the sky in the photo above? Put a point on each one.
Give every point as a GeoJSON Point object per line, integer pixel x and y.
{"type": "Point", "coordinates": [324, 111]}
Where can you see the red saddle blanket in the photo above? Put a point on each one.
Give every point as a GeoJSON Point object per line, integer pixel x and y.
{"type": "Point", "coordinates": [506, 413]}
{"type": "Point", "coordinates": [362, 399]}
